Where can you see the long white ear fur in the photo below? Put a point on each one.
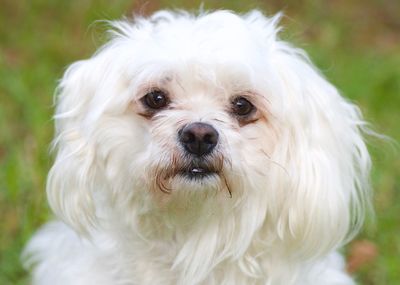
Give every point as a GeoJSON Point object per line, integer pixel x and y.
{"type": "Point", "coordinates": [327, 162]}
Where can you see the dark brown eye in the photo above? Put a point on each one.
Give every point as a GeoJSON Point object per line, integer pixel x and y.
{"type": "Point", "coordinates": [155, 99]}
{"type": "Point", "coordinates": [242, 107]}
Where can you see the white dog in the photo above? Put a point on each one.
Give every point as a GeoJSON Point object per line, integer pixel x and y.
{"type": "Point", "coordinates": [201, 150]}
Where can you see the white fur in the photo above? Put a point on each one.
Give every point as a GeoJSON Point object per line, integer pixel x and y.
{"type": "Point", "coordinates": [297, 177]}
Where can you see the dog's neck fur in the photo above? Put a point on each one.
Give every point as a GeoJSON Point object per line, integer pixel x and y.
{"type": "Point", "coordinates": [196, 237]}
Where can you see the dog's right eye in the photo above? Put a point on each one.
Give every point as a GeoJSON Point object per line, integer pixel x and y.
{"type": "Point", "coordinates": [155, 100]}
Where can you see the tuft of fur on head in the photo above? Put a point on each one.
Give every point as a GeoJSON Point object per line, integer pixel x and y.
{"type": "Point", "coordinates": [292, 182]}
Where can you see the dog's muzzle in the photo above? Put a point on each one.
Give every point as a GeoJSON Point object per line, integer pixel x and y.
{"type": "Point", "coordinates": [198, 141]}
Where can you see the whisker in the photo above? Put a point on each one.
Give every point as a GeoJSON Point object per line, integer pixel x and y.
{"type": "Point", "coordinates": [227, 185]}
{"type": "Point", "coordinates": [274, 162]}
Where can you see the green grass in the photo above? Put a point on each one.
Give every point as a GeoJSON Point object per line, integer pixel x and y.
{"type": "Point", "coordinates": [355, 44]}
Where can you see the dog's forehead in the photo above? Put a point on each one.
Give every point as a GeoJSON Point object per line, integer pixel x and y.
{"type": "Point", "coordinates": [221, 38]}
{"type": "Point", "coordinates": [195, 81]}
{"type": "Point", "coordinates": [220, 53]}
{"type": "Point", "coordinates": [195, 74]}
{"type": "Point", "coordinates": [216, 26]}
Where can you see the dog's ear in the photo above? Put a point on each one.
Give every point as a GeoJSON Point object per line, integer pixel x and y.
{"type": "Point", "coordinates": [325, 157]}
{"type": "Point", "coordinates": [72, 179]}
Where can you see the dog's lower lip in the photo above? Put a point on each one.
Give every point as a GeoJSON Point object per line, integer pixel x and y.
{"type": "Point", "coordinates": [198, 172]}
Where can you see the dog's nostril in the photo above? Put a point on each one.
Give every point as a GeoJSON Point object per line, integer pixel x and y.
{"type": "Point", "coordinates": [211, 138]}
{"type": "Point", "coordinates": [198, 138]}
{"type": "Point", "coordinates": [187, 137]}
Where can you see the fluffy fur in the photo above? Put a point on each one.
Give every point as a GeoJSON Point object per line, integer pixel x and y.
{"type": "Point", "coordinates": [292, 184]}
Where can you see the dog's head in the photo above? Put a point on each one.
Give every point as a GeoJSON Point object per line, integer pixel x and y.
{"type": "Point", "coordinates": [213, 110]}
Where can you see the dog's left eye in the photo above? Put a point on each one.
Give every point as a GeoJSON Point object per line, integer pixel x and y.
{"type": "Point", "coordinates": [156, 99]}
{"type": "Point", "coordinates": [242, 107]}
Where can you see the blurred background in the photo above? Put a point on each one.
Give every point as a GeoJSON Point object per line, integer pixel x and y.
{"type": "Point", "coordinates": [356, 44]}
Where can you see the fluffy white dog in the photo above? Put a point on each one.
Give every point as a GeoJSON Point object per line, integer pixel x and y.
{"type": "Point", "coordinates": [201, 150]}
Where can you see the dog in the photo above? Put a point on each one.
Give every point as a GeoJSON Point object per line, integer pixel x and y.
{"type": "Point", "coordinates": [201, 149]}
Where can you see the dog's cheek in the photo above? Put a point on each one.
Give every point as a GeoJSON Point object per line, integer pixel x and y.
{"type": "Point", "coordinates": [124, 144]}
{"type": "Point", "coordinates": [257, 143]}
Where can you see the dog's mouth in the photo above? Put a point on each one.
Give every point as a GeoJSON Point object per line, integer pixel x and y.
{"type": "Point", "coordinates": [198, 172]}
{"type": "Point", "coordinates": [194, 172]}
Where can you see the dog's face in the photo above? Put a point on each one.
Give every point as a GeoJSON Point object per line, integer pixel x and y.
{"type": "Point", "coordinates": [183, 110]}
{"type": "Point", "coordinates": [199, 133]}
{"type": "Point", "coordinates": [203, 111]}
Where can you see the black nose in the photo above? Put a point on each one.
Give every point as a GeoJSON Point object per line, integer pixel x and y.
{"type": "Point", "coordinates": [198, 138]}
